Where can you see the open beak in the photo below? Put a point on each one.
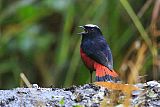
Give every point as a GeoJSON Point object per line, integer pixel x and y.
{"type": "Point", "coordinates": [83, 29]}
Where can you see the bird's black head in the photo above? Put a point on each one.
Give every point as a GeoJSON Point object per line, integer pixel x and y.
{"type": "Point", "coordinates": [90, 30]}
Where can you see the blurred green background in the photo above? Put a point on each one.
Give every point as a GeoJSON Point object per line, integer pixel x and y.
{"type": "Point", "coordinates": [39, 38]}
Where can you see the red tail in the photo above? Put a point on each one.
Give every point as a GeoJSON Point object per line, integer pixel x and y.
{"type": "Point", "coordinates": [105, 74]}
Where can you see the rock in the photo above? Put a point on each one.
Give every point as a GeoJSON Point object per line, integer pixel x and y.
{"type": "Point", "coordinates": [88, 95]}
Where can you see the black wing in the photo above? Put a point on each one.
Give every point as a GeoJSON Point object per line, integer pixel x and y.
{"type": "Point", "coordinates": [99, 51]}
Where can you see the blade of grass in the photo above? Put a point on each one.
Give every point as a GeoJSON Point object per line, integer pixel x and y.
{"type": "Point", "coordinates": [138, 24]}
{"type": "Point", "coordinates": [129, 31]}
{"type": "Point", "coordinates": [25, 80]}
{"type": "Point", "coordinates": [64, 43]}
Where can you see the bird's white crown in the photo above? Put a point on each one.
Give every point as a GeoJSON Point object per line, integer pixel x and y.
{"type": "Point", "coordinates": [91, 25]}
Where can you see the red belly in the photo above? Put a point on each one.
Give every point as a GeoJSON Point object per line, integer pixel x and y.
{"type": "Point", "coordinates": [101, 71]}
{"type": "Point", "coordinates": [87, 61]}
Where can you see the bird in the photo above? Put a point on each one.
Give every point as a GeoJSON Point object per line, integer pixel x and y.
{"type": "Point", "coordinates": [96, 54]}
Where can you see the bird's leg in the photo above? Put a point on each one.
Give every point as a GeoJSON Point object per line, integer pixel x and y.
{"type": "Point", "coordinates": [91, 76]}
